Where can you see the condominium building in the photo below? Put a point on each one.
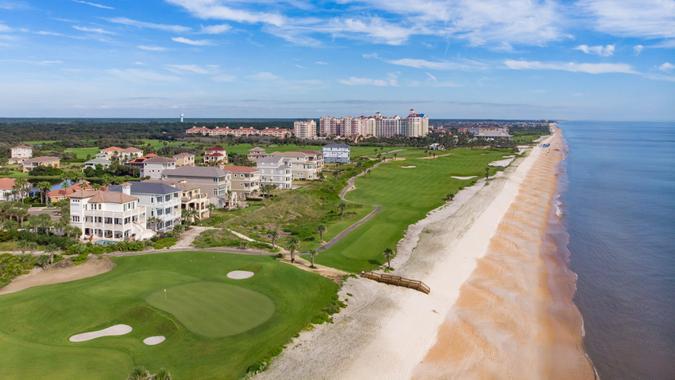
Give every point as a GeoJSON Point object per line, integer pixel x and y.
{"type": "Point", "coordinates": [378, 125]}
{"type": "Point", "coordinates": [161, 201]}
{"type": "Point", "coordinates": [122, 154]}
{"type": "Point", "coordinates": [280, 133]}
{"type": "Point", "coordinates": [214, 182]}
{"type": "Point", "coordinates": [45, 161]}
{"type": "Point", "coordinates": [275, 171]}
{"type": "Point", "coordinates": [215, 155]}
{"type": "Point", "coordinates": [245, 180]}
{"type": "Point", "coordinates": [194, 203]}
{"type": "Point", "coordinates": [256, 153]}
{"type": "Point", "coordinates": [305, 165]}
{"type": "Point", "coordinates": [108, 216]}
{"type": "Point", "coordinates": [304, 129]}
{"type": "Point", "coordinates": [336, 153]}
{"type": "Point", "coordinates": [19, 153]}
{"type": "Point", "coordinates": [155, 166]}
{"type": "Point", "coordinates": [184, 159]}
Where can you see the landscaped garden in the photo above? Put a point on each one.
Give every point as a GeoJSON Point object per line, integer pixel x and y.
{"type": "Point", "coordinates": [214, 326]}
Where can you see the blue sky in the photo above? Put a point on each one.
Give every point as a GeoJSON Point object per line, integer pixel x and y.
{"type": "Point", "coordinates": [587, 59]}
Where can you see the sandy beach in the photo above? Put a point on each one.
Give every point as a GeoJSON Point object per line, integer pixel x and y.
{"type": "Point", "coordinates": [394, 333]}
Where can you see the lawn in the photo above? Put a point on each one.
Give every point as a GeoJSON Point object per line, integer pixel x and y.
{"type": "Point", "coordinates": [83, 154]}
{"type": "Point", "coordinates": [215, 327]}
{"type": "Point", "coordinates": [405, 195]}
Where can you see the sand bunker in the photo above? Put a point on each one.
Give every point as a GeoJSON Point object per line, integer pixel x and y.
{"type": "Point", "coordinates": [154, 340]}
{"type": "Point", "coordinates": [240, 274]}
{"type": "Point", "coordinates": [503, 163]}
{"type": "Point", "coordinates": [463, 178]}
{"type": "Point", "coordinates": [408, 167]}
{"type": "Point", "coordinates": [115, 330]}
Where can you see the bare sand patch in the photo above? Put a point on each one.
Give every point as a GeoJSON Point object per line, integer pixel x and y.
{"type": "Point", "coordinates": [240, 274]}
{"type": "Point", "coordinates": [115, 330]}
{"type": "Point", "coordinates": [93, 267]}
{"type": "Point", "coordinates": [503, 163]}
{"type": "Point", "coordinates": [408, 167]}
{"type": "Point", "coordinates": [463, 178]}
{"type": "Point", "coordinates": [154, 340]}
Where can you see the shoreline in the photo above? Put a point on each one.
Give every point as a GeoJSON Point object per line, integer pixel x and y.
{"type": "Point", "coordinates": [385, 331]}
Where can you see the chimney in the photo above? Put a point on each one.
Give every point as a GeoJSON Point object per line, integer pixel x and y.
{"type": "Point", "coordinates": [126, 188]}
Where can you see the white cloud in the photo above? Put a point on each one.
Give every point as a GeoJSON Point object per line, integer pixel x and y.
{"type": "Point", "coordinates": [4, 28]}
{"type": "Point", "coordinates": [13, 5]}
{"type": "Point", "coordinates": [87, 29]}
{"type": "Point", "coordinates": [320, 62]}
{"type": "Point", "coordinates": [264, 76]}
{"type": "Point", "coordinates": [217, 10]}
{"type": "Point", "coordinates": [223, 78]}
{"type": "Point", "coordinates": [191, 42]}
{"type": "Point", "coordinates": [216, 29]}
{"type": "Point", "coordinates": [432, 77]}
{"type": "Point", "coordinates": [576, 67]}
{"type": "Point", "coordinates": [140, 75]}
{"type": "Point", "coordinates": [34, 62]}
{"type": "Point", "coordinates": [632, 18]}
{"type": "Point", "coordinates": [92, 4]}
{"type": "Point", "coordinates": [666, 67]}
{"type": "Point", "coordinates": [152, 48]}
{"type": "Point", "coordinates": [192, 69]}
{"type": "Point", "coordinates": [437, 65]}
{"type": "Point", "coordinates": [375, 29]}
{"type": "Point", "coordinates": [390, 81]}
{"type": "Point", "coordinates": [603, 51]}
{"type": "Point", "coordinates": [150, 25]}
{"type": "Point", "coordinates": [637, 49]}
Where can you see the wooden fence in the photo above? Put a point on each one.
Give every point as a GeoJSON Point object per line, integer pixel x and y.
{"type": "Point", "coordinates": [397, 280]}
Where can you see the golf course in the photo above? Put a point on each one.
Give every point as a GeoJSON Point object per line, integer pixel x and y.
{"type": "Point", "coordinates": [214, 326]}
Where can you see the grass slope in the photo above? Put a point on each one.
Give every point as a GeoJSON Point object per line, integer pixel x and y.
{"type": "Point", "coordinates": [405, 196]}
{"type": "Point", "coordinates": [36, 323]}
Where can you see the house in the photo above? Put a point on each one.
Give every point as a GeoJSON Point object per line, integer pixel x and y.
{"type": "Point", "coordinates": [184, 159]}
{"type": "Point", "coordinates": [46, 161]}
{"type": "Point", "coordinates": [215, 156]}
{"type": "Point", "coordinates": [255, 154]}
{"type": "Point", "coordinates": [108, 216]}
{"type": "Point", "coordinates": [161, 201]}
{"type": "Point", "coordinates": [101, 160]}
{"type": "Point", "coordinates": [154, 167]}
{"type": "Point", "coordinates": [7, 190]}
{"type": "Point", "coordinates": [214, 182]}
{"type": "Point", "coordinates": [306, 165]}
{"type": "Point", "coordinates": [336, 153]}
{"type": "Point", "coordinates": [65, 193]}
{"type": "Point", "coordinates": [275, 171]}
{"type": "Point", "coordinates": [122, 154]}
{"type": "Point", "coordinates": [19, 153]}
{"type": "Point", "coordinates": [245, 180]}
{"type": "Point", "coordinates": [194, 203]}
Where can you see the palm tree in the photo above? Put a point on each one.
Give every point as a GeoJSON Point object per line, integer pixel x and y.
{"type": "Point", "coordinates": [487, 173]}
{"type": "Point", "coordinates": [44, 187]}
{"type": "Point", "coordinates": [388, 254]}
{"type": "Point", "coordinates": [312, 256]}
{"type": "Point", "coordinates": [274, 234]}
{"type": "Point", "coordinates": [163, 374]}
{"type": "Point", "coordinates": [140, 373]}
{"type": "Point", "coordinates": [321, 229]}
{"type": "Point", "coordinates": [292, 246]}
{"type": "Point", "coordinates": [341, 208]}
{"type": "Point", "coordinates": [20, 187]}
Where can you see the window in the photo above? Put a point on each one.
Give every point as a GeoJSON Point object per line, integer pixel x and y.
{"type": "Point", "coordinates": [108, 220]}
{"type": "Point", "coordinates": [167, 211]}
{"type": "Point", "coordinates": [160, 211]}
{"type": "Point", "coordinates": [159, 199]}
{"type": "Point", "coordinates": [76, 218]}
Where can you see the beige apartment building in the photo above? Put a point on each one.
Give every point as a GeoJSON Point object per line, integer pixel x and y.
{"type": "Point", "coordinates": [304, 129]}
{"type": "Point", "coordinates": [184, 159]}
{"type": "Point", "coordinates": [305, 166]}
{"type": "Point", "coordinates": [47, 161]}
{"type": "Point", "coordinates": [245, 181]}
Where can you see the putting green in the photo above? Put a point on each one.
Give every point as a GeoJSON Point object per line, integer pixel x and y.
{"type": "Point", "coordinates": [214, 309]}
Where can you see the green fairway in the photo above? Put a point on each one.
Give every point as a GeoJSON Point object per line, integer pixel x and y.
{"type": "Point", "coordinates": [215, 327]}
{"type": "Point", "coordinates": [405, 195]}
{"type": "Point", "coordinates": [83, 154]}
{"type": "Point", "coordinates": [214, 309]}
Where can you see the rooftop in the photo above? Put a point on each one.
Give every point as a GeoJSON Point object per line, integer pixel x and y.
{"type": "Point", "coordinates": [101, 196]}
{"type": "Point", "coordinates": [154, 187]}
{"type": "Point", "coordinates": [195, 171]}
{"type": "Point", "coordinates": [159, 160]}
{"type": "Point", "coordinates": [7, 183]}
{"type": "Point", "coordinates": [42, 159]}
{"type": "Point", "coordinates": [240, 169]}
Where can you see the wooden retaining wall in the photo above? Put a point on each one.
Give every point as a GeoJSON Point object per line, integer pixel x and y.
{"type": "Point", "coordinates": [397, 280]}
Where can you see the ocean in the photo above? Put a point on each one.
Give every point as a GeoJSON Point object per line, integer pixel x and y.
{"type": "Point", "coordinates": [618, 204]}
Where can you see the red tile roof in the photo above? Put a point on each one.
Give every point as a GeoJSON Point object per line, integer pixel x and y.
{"type": "Point", "coordinates": [7, 183]}
{"type": "Point", "coordinates": [239, 169]}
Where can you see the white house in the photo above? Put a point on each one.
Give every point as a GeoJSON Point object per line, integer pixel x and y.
{"type": "Point", "coordinates": [275, 171]}
{"type": "Point", "coordinates": [7, 192]}
{"type": "Point", "coordinates": [108, 216]}
{"type": "Point", "coordinates": [161, 201]}
{"type": "Point", "coordinates": [305, 165]}
{"type": "Point", "coordinates": [20, 153]}
{"type": "Point", "coordinates": [336, 153]}
{"type": "Point", "coordinates": [214, 182]}
{"type": "Point", "coordinates": [154, 167]}
{"type": "Point", "coordinates": [101, 160]}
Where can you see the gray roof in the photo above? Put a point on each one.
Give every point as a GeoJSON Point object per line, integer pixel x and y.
{"type": "Point", "coordinates": [269, 160]}
{"type": "Point", "coordinates": [99, 160]}
{"type": "Point", "coordinates": [336, 145]}
{"type": "Point", "coordinates": [147, 188]}
{"type": "Point", "coordinates": [159, 160]}
{"type": "Point", "coordinates": [195, 171]}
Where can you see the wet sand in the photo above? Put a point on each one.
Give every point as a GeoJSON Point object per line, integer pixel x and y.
{"type": "Point", "coordinates": [514, 317]}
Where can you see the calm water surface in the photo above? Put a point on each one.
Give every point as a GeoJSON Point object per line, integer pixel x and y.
{"type": "Point", "coordinates": [619, 203]}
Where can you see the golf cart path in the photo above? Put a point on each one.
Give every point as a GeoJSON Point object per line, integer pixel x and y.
{"type": "Point", "coordinates": [188, 237]}
{"type": "Point", "coordinates": [349, 229]}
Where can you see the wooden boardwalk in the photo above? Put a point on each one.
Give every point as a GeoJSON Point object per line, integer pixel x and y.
{"type": "Point", "coordinates": [397, 280]}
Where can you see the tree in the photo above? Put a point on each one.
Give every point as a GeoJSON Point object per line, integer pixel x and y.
{"type": "Point", "coordinates": [341, 208]}
{"type": "Point", "coordinates": [388, 254]}
{"type": "Point", "coordinates": [140, 373]}
{"type": "Point", "coordinates": [487, 173]}
{"type": "Point", "coordinates": [292, 246]}
{"type": "Point", "coordinates": [19, 187]}
{"type": "Point", "coordinates": [44, 187]}
{"type": "Point", "coordinates": [153, 222]}
{"type": "Point", "coordinates": [321, 229]}
{"type": "Point", "coordinates": [274, 234]}
{"type": "Point", "coordinates": [163, 374]}
{"type": "Point", "coordinates": [312, 256]}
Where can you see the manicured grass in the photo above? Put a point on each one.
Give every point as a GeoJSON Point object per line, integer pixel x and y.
{"type": "Point", "coordinates": [83, 154]}
{"type": "Point", "coordinates": [405, 196]}
{"type": "Point", "coordinates": [214, 309]}
{"type": "Point", "coordinates": [37, 322]}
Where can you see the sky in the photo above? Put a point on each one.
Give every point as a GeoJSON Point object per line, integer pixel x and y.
{"type": "Point", "coordinates": [586, 59]}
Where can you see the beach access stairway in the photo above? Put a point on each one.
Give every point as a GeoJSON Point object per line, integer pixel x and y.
{"type": "Point", "coordinates": [397, 280]}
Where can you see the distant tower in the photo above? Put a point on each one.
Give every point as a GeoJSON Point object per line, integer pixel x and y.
{"type": "Point", "coordinates": [181, 117]}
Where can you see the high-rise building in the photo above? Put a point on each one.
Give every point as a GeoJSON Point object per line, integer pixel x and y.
{"type": "Point", "coordinates": [304, 129]}
{"type": "Point", "coordinates": [417, 125]}
{"type": "Point", "coordinates": [378, 125]}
